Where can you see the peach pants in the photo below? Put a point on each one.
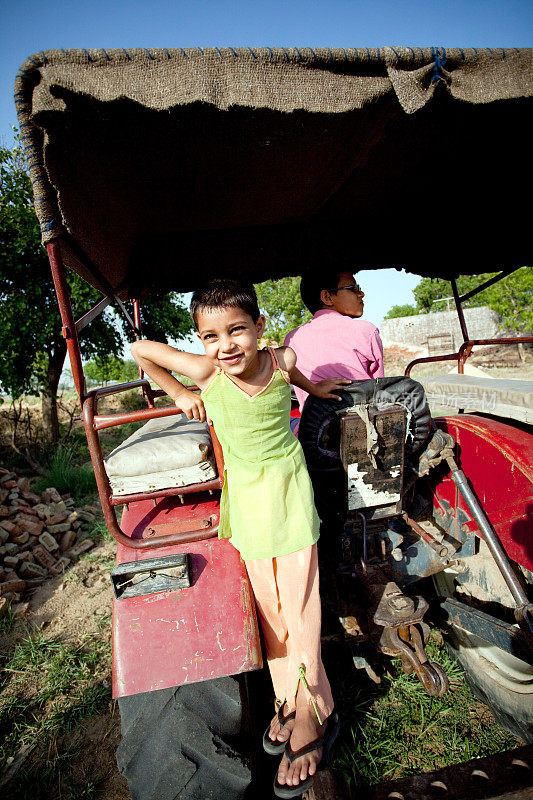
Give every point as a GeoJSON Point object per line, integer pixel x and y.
{"type": "Point", "coordinates": [288, 601]}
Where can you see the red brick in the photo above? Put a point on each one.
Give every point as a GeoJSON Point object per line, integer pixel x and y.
{"type": "Point", "coordinates": [30, 524]}
{"type": "Point", "coordinates": [10, 527]}
{"type": "Point", "coordinates": [80, 548]}
{"type": "Point", "coordinates": [28, 570]}
{"type": "Point", "coordinates": [51, 495]}
{"type": "Point", "coordinates": [61, 528]}
{"type": "Point", "coordinates": [12, 586]}
{"type": "Point", "coordinates": [48, 542]}
{"type": "Point", "coordinates": [60, 566]}
{"type": "Point", "coordinates": [31, 497]}
{"type": "Point", "coordinates": [43, 557]}
{"type": "Point", "coordinates": [67, 540]}
{"type": "Point", "coordinates": [30, 510]}
{"type": "Point", "coordinates": [56, 519]}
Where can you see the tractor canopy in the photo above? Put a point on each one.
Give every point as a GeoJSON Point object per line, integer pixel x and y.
{"type": "Point", "coordinates": [158, 168]}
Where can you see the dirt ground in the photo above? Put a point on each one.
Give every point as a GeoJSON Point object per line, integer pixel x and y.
{"type": "Point", "coordinates": [79, 601]}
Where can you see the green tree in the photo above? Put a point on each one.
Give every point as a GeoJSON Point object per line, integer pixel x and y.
{"type": "Point", "coordinates": [282, 305]}
{"type": "Point", "coordinates": [510, 298]}
{"type": "Point", "coordinates": [407, 310]}
{"type": "Point", "coordinates": [110, 368]}
{"type": "Point", "coordinates": [33, 349]}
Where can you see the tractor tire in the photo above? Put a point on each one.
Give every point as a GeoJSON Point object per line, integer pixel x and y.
{"type": "Point", "coordinates": [501, 681]}
{"type": "Point", "coordinates": [192, 742]}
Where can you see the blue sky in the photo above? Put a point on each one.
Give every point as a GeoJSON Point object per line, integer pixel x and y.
{"type": "Point", "coordinates": [27, 26]}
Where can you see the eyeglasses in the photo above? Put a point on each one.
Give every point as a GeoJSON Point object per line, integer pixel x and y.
{"type": "Point", "coordinates": [353, 287]}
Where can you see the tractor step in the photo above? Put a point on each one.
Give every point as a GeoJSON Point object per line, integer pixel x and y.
{"type": "Point", "coordinates": [505, 776]}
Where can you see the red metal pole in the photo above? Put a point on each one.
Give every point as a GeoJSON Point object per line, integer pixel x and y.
{"type": "Point", "coordinates": [67, 317]}
{"type": "Point", "coordinates": [104, 490]}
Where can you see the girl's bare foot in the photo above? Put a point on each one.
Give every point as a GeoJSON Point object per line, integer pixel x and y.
{"type": "Point", "coordinates": [279, 730]}
{"type": "Point", "coordinates": [305, 730]}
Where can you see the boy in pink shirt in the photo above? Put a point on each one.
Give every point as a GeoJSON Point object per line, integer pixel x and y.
{"type": "Point", "coordinates": [336, 343]}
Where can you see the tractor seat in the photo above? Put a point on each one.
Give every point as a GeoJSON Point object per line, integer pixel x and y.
{"type": "Point", "coordinates": [502, 397]}
{"type": "Point", "coordinates": [165, 453]}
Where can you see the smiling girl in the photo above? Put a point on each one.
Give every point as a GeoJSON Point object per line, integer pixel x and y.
{"type": "Point", "coordinates": [267, 505]}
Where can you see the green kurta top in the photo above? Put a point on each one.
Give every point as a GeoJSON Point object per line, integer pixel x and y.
{"type": "Point", "coordinates": [267, 504]}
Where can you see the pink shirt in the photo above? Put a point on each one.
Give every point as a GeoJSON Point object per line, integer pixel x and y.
{"type": "Point", "coordinates": [332, 345]}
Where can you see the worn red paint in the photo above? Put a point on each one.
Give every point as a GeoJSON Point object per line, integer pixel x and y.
{"type": "Point", "coordinates": [497, 459]}
{"type": "Point", "coordinates": [199, 633]}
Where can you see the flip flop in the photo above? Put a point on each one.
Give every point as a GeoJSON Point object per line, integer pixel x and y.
{"type": "Point", "coordinates": [325, 742]}
{"type": "Point", "coordinates": [276, 748]}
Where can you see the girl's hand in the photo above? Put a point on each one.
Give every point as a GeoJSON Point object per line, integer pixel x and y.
{"type": "Point", "coordinates": [191, 404]}
{"type": "Point", "coordinates": [325, 389]}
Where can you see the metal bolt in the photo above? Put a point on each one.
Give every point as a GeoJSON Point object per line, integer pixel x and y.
{"type": "Point", "coordinates": [401, 603]}
{"type": "Point", "coordinates": [397, 554]}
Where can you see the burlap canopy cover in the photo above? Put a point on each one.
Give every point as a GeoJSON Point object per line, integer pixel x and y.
{"type": "Point", "coordinates": [164, 167]}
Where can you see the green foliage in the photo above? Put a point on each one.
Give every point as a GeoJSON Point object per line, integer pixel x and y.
{"type": "Point", "coordinates": [33, 349]}
{"type": "Point", "coordinates": [110, 368]}
{"type": "Point", "coordinates": [67, 476]}
{"type": "Point", "coordinates": [165, 316]}
{"type": "Point", "coordinates": [510, 298]}
{"type": "Point", "coordinates": [281, 303]}
{"type": "Point", "coordinates": [30, 325]}
{"type": "Point", "coordinates": [407, 310]}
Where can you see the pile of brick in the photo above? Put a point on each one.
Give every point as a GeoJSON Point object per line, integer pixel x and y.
{"type": "Point", "coordinates": [38, 538]}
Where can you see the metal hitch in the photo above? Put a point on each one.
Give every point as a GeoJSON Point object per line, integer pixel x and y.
{"type": "Point", "coordinates": [151, 576]}
{"type": "Point", "coordinates": [399, 630]}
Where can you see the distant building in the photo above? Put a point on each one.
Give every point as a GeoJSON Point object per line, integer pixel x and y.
{"type": "Point", "coordinates": [440, 331]}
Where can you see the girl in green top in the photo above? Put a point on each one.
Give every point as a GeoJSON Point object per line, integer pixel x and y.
{"type": "Point", "coordinates": [267, 503]}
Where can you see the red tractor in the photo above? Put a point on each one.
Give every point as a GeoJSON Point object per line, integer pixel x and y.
{"type": "Point", "coordinates": [154, 170]}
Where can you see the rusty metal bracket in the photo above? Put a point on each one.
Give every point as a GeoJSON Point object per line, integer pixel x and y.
{"type": "Point", "coordinates": [151, 576]}
{"type": "Point", "coordinates": [407, 643]}
{"type": "Point", "coordinates": [452, 612]}
{"type": "Point", "coordinates": [398, 629]}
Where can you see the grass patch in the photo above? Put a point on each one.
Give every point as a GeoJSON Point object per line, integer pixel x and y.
{"type": "Point", "coordinates": [99, 531]}
{"type": "Point", "coordinates": [49, 687]}
{"type": "Point", "coordinates": [7, 622]}
{"type": "Point", "coordinates": [67, 475]}
{"type": "Point", "coordinates": [396, 729]}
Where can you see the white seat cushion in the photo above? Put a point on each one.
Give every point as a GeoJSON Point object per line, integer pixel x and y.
{"type": "Point", "coordinates": [508, 398]}
{"type": "Point", "coordinates": [165, 453]}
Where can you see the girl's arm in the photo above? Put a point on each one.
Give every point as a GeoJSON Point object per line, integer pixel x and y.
{"type": "Point", "coordinates": [156, 359]}
{"type": "Point", "coordinates": [323, 389]}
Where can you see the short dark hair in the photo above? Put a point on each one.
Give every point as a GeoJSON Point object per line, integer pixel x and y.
{"type": "Point", "coordinates": [225, 293]}
{"type": "Point", "coordinates": [313, 284]}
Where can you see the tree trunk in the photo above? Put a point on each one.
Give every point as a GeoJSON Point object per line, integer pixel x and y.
{"type": "Point", "coordinates": [49, 392]}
